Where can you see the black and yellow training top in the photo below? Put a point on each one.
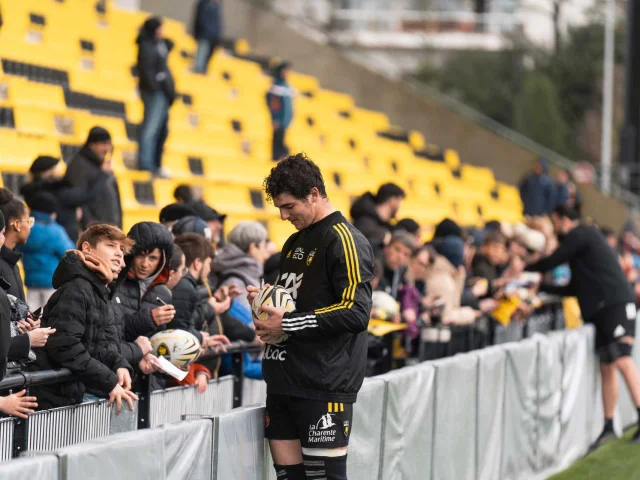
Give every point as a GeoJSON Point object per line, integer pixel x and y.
{"type": "Point", "coordinates": [327, 268]}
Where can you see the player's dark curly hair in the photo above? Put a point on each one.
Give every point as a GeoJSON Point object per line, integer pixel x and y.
{"type": "Point", "coordinates": [295, 175]}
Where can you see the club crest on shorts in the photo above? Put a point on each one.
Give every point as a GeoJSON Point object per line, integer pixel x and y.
{"type": "Point", "coordinates": [346, 428]}
{"type": "Point", "coordinates": [312, 254]}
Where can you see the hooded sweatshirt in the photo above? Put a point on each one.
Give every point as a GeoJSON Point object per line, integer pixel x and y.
{"type": "Point", "coordinates": [232, 266]}
{"type": "Point", "coordinates": [81, 312]}
{"type": "Point", "coordinates": [366, 219]}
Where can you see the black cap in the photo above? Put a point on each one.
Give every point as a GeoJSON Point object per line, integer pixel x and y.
{"type": "Point", "coordinates": [43, 202]}
{"type": "Point", "coordinates": [192, 224]}
{"type": "Point", "coordinates": [151, 24]}
{"type": "Point", "coordinates": [408, 225]}
{"type": "Point", "coordinates": [447, 227]}
{"type": "Point", "coordinates": [98, 135]}
{"type": "Point", "coordinates": [207, 213]}
{"type": "Point", "coordinates": [174, 212]}
{"type": "Point", "coordinates": [43, 163]}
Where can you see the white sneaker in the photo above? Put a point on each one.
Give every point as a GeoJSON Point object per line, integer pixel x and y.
{"type": "Point", "coordinates": [163, 173]}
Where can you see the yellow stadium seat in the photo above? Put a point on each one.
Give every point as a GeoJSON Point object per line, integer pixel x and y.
{"type": "Point", "coordinates": [451, 158]}
{"type": "Point", "coordinates": [43, 96]}
{"type": "Point", "coordinates": [280, 231]}
{"type": "Point", "coordinates": [479, 176]}
{"type": "Point", "coordinates": [229, 199]}
{"type": "Point", "coordinates": [19, 151]}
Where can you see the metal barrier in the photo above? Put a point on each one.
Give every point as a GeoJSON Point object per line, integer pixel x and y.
{"type": "Point", "coordinates": [254, 392]}
{"type": "Point", "coordinates": [52, 429]}
{"type": "Point", "coordinates": [170, 405]}
{"type": "Point", "coordinates": [6, 439]}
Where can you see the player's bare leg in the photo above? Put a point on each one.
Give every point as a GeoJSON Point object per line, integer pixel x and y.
{"type": "Point", "coordinates": [629, 371]}
{"type": "Point", "coordinates": [287, 459]}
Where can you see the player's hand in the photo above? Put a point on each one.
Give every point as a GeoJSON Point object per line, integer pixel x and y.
{"type": "Point", "coordinates": [253, 292]}
{"type": "Point", "coordinates": [271, 327]}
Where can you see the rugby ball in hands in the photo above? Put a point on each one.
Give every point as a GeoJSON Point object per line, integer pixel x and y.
{"type": "Point", "coordinates": [273, 296]}
{"type": "Point", "coordinates": [384, 306]}
{"type": "Point", "coordinates": [178, 346]}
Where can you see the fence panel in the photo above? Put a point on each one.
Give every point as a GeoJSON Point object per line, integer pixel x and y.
{"type": "Point", "coordinates": [51, 429]}
{"type": "Point", "coordinates": [188, 450]}
{"type": "Point", "coordinates": [366, 431]}
{"type": "Point", "coordinates": [550, 351]}
{"type": "Point", "coordinates": [408, 427]}
{"type": "Point", "coordinates": [519, 446]}
{"type": "Point", "coordinates": [490, 406]}
{"type": "Point", "coordinates": [6, 439]}
{"type": "Point", "coordinates": [168, 406]}
{"type": "Point", "coordinates": [254, 392]}
{"type": "Point", "coordinates": [455, 418]}
{"type": "Point", "coordinates": [576, 395]}
{"type": "Point", "coordinates": [38, 467]}
{"type": "Point", "coordinates": [133, 455]}
{"type": "Point", "coordinates": [239, 445]}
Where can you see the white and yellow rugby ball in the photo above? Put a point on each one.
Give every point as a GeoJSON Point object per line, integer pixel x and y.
{"type": "Point", "coordinates": [273, 296]}
{"type": "Point", "coordinates": [178, 346]}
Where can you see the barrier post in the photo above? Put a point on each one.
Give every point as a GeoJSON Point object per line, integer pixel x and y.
{"type": "Point", "coordinates": [19, 437]}
{"type": "Point", "coordinates": [144, 403]}
{"type": "Point", "coordinates": [237, 370]}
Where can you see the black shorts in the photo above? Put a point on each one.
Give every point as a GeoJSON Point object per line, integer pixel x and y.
{"type": "Point", "coordinates": [613, 323]}
{"type": "Point", "coordinates": [316, 424]}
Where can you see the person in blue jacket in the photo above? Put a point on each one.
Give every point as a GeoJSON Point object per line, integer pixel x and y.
{"type": "Point", "coordinates": [280, 103]}
{"type": "Point", "coordinates": [207, 30]}
{"type": "Point", "coordinates": [44, 249]}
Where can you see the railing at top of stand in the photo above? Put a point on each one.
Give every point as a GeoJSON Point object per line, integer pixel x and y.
{"type": "Point", "coordinates": [20, 380]}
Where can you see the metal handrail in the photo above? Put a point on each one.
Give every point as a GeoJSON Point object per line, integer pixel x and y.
{"type": "Point", "coordinates": [22, 380]}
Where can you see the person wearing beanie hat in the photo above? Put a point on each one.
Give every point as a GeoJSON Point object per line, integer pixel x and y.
{"type": "Point", "coordinates": [158, 92]}
{"type": "Point", "coordinates": [85, 170]}
{"type": "Point", "coordinates": [45, 247]}
{"type": "Point", "coordinates": [43, 164]}
{"type": "Point", "coordinates": [214, 219]}
{"type": "Point", "coordinates": [446, 279]}
{"type": "Point", "coordinates": [447, 227]}
{"type": "Point", "coordinates": [207, 30]}
{"type": "Point", "coordinates": [173, 212]}
{"type": "Point", "coordinates": [192, 224]}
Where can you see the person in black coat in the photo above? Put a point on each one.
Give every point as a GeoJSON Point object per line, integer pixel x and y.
{"type": "Point", "coordinates": [18, 227]}
{"type": "Point", "coordinates": [86, 168]}
{"type": "Point", "coordinates": [158, 92]}
{"type": "Point", "coordinates": [198, 254]}
{"type": "Point", "coordinates": [44, 176]}
{"type": "Point", "coordinates": [207, 31]}
{"type": "Point", "coordinates": [142, 300]}
{"type": "Point", "coordinates": [82, 313]}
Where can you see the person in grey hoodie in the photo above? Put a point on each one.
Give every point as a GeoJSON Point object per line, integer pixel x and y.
{"type": "Point", "coordinates": [241, 261]}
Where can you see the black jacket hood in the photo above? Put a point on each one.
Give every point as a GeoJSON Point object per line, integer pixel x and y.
{"type": "Point", "coordinates": [365, 206]}
{"type": "Point", "coordinates": [70, 267]}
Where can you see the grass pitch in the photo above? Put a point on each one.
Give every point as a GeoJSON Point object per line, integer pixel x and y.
{"type": "Point", "coordinates": [616, 460]}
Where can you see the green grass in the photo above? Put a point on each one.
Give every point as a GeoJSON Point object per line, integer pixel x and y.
{"type": "Point", "coordinates": [617, 460]}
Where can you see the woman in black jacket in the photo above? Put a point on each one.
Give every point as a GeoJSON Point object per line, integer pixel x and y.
{"type": "Point", "coordinates": [18, 227]}
{"type": "Point", "coordinates": [45, 176]}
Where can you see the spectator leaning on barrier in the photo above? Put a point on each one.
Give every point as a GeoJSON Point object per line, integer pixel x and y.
{"type": "Point", "coordinates": [537, 190]}
{"type": "Point", "coordinates": [487, 262]}
{"type": "Point", "coordinates": [605, 299]}
{"type": "Point", "coordinates": [372, 213]}
{"type": "Point", "coordinates": [142, 302]}
{"type": "Point", "coordinates": [46, 176]}
{"type": "Point", "coordinates": [18, 226]}
{"type": "Point", "coordinates": [242, 259]}
{"type": "Point", "coordinates": [158, 92]}
{"type": "Point", "coordinates": [192, 224]}
{"type": "Point", "coordinates": [214, 220]}
{"type": "Point", "coordinates": [46, 246]}
{"type": "Point", "coordinates": [81, 312]}
{"type": "Point", "coordinates": [86, 171]}
{"type": "Point", "coordinates": [207, 31]}
{"type": "Point", "coordinates": [280, 104]}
